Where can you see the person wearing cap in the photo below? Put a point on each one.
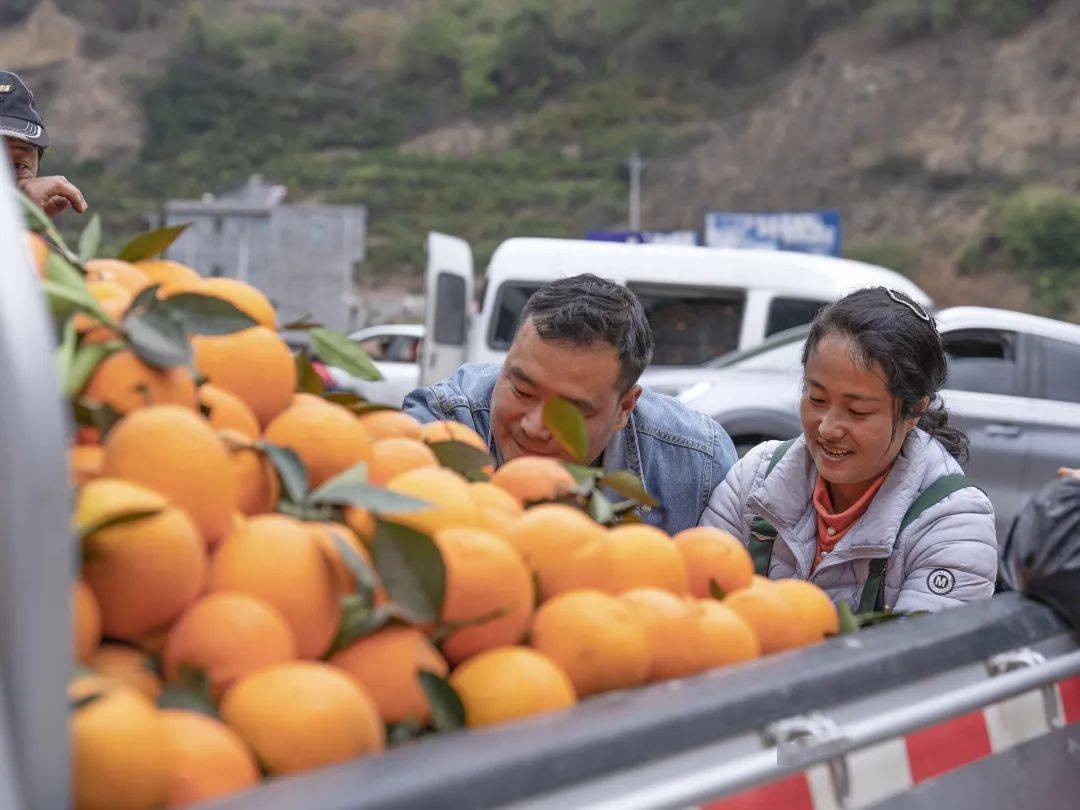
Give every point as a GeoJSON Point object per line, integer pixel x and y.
{"type": "Point", "coordinates": [23, 130]}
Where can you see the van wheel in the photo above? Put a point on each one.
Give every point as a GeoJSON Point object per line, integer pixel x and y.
{"type": "Point", "coordinates": [747, 442]}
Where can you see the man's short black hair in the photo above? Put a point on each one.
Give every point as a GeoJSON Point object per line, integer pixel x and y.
{"type": "Point", "coordinates": [584, 309]}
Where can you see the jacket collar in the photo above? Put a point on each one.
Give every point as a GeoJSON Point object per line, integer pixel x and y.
{"type": "Point", "coordinates": [785, 498]}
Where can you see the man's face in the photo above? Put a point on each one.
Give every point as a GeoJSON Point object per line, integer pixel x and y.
{"type": "Point", "coordinates": [24, 159]}
{"type": "Point", "coordinates": [535, 371]}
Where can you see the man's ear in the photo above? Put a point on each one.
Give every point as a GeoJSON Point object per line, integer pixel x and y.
{"type": "Point", "coordinates": [626, 404]}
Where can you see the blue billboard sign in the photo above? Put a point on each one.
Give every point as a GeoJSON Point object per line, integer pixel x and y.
{"type": "Point", "coordinates": [803, 231]}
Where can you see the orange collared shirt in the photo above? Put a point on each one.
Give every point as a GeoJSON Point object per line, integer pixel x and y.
{"type": "Point", "coordinates": [831, 526]}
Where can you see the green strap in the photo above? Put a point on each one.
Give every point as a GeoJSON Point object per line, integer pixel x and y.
{"type": "Point", "coordinates": [778, 454]}
{"type": "Point", "coordinates": [873, 594]}
{"type": "Point", "coordinates": [763, 533]}
{"type": "Point", "coordinates": [935, 493]}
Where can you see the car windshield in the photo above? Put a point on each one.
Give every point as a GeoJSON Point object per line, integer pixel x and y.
{"type": "Point", "coordinates": [775, 352]}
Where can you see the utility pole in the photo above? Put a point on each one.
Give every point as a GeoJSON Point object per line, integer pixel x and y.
{"type": "Point", "coordinates": [636, 165]}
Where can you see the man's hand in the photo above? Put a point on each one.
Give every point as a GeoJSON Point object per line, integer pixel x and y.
{"type": "Point", "coordinates": [53, 194]}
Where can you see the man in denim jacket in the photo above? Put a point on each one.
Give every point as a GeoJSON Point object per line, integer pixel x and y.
{"type": "Point", "coordinates": [586, 340]}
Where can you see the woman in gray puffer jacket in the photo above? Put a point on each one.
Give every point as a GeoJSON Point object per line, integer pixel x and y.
{"type": "Point", "coordinates": [869, 503]}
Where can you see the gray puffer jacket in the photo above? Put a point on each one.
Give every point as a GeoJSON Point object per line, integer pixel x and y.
{"type": "Point", "coordinates": [948, 555]}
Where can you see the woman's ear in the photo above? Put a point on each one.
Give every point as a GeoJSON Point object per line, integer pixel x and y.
{"type": "Point", "coordinates": [920, 409]}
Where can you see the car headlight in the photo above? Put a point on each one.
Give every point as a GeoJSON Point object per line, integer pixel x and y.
{"type": "Point", "coordinates": [694, 391]}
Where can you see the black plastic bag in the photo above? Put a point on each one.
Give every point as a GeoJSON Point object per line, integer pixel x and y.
{"type": "Point", "coordinates": [1041, 554]}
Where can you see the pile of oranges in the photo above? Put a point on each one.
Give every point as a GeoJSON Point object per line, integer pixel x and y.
{"type": "Point", "coordinates": [199, 578]}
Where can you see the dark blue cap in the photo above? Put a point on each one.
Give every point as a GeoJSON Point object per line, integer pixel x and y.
{"type": "Point", "coordinates": [19, 117]}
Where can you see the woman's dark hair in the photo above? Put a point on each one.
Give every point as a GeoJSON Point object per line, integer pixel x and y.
{"type": "Point", "coordinates": [887, 327]}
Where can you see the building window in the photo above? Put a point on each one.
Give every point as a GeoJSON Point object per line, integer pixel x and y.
{"type": "Point", "coordinates": [217, 271]}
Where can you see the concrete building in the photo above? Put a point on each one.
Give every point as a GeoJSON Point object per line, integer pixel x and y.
{"type": "Point", "coordinates": [302, 256]}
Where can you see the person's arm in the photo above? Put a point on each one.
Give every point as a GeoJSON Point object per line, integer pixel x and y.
{"type": "Point", "coordinates": [725, 507]}
{"type": "Point", "coordinates": [422, 404]}
{"type": "Point", "coordinates": [953, 554]}
{"type": "Point", "coordinates": [53, 194]}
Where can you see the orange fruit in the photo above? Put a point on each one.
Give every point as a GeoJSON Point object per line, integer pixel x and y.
{"type": "Point", "coordinates": [254, 364]}
{"type": "Point", "coordinates": [361, 521]}
{"type": "Point", "coordinates": [769, 615]}
{"type": "Point", "coordinates": [724, 638]}
{"type": "Point", "coordinates": [125, 383]}
{"type": "Point", "coordinates": [228, 635]}
{"type": "Point", "coordinates": [129, 666]}
{"type": "Point", "coordinates": [510, 682]}
{"type": "Point", "coordinates": [391, 425]}
{"type": "Point", "coordinates": [123, 273]}
{"type": "Point", "coordinates": [256, 479]}
{"type": "Point", "coordinates": [302, 715]}
{"type": "Point", "coordinates": [484, 576]}
{"type": "Point", "coordinates": [39, 252]}
{"type": "Point", "coordinates": [279, 560]}
{"type": "Point", "coordinates": [324, 533]}
{"type": "Point", "coordinates": [118, 755]}
{"type": "Point", "coordinates": [304, 398]}
{"type": "Point", "coordinates": [446, 430]}
{"type": "Point", "coordinates": [207, 758]}
{"type": "Point", "coordinates": [388, 664]}
{"type": "Point", "coordinates": [84, 461]}
{"type": "Point", "coordinates": [446, 491]}
{"type": "Point", "coordinates": [143, 572]}
{"type": "Point", "coordinates": [641, 556]}
{"type": "Point", "coordinates": [534, 478]}
{"type": "Point", "coordinates": [713, 555]}
{"type": "Point", "coordinates": [490, 497]}
{"type": "Point", "coordinates": [175, 452]}
{"type": "Point", "coordinates": [329, 440]}
{"type": "Point", "coordinates": [85, 619]}
{"type": "Point", "coordinates": [817, 616]}
{"type": "Point", "coordinates": [168, 274]}
{"type": "Point", "coordinates": [498, 507]}
{"type": "Point", "coordinates": [228, 412]}
{"type": "Point", "coordinates": [240, 294]}
{"type": "Point", "coordinates": [114, 299]}
{"type": "Point", "coordinates": [392, 457]}
{"type": "Point", "coordinates": [596, 638]}
{"type": "Point", "coordinates": [671, 625]}
{"type": "Point", "coordinates": [563, 547]}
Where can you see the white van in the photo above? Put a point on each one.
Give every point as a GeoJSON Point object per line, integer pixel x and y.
{"type": "Point", "coordinates": [701, 302]}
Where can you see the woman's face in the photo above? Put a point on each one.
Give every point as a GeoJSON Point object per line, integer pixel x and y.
{"type": "Point", "coordinates": [848, 415]}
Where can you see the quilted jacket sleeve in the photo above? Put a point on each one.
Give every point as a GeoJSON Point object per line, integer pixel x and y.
{"type": "Point", "coordinates": [727, 506]}
{"type": "Point", "coordinates": [951, 555]}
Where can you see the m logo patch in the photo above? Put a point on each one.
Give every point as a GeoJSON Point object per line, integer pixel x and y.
{"type": "Point", "coordinates": [940, 581]}
{"type": "Point", "coordinates": [5, 88]}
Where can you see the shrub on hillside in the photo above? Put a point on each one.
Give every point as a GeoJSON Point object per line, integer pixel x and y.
{"type": "Point", "coordinates": [1035, 233]}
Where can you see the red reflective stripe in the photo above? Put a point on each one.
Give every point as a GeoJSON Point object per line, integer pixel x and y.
{"type": "Point", "coordinates": [790, 793]}
{"type": "Point", "coordinates": [1070, 698]}
{"type": "Point", "coordinates": [942, 747]}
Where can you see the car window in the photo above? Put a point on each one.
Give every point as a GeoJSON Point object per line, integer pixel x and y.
{"type": "Point", "coordinates": [377, 346]}
{"type": "Point", "coordinates": [691, 325]}
{"type": "Point", "coordinates": [509, 302]}
{"type": "Point", "coordinates": [1061, 370]}
{"type": "Point", "coordinates": [787, 358]}
{"type": "Point", "coordinates": [451, 309]}
{"type": "Point", "coordinates": [403, 349]}
{"type": "Point", "coordinates": [787, 313]}
{"type": "Point", "coordinates": [981, 360]}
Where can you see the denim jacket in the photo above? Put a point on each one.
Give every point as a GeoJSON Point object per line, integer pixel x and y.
{"type": "Point", "coordinates": [680, 455]}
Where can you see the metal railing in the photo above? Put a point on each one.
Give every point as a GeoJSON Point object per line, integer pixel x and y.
{"type": "Point", "coordinates": [826, 741]}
